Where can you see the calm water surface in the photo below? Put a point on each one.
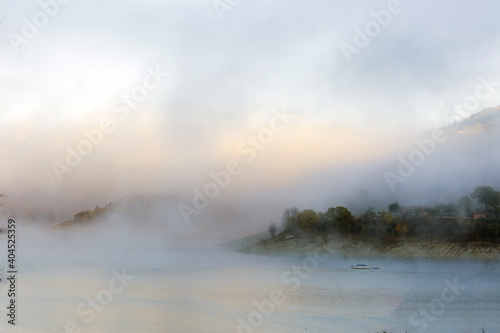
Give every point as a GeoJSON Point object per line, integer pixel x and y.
{"type": "Point", "coordinates": [212, 289]}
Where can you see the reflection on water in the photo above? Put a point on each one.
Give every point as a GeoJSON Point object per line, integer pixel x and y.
{"type": "Point", "coordinates": [216, 290]}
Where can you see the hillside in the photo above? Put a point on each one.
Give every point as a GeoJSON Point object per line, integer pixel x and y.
{"type": "Point", "coordinates": [86, 218]}
{"type": "Point", "coordinates": [480, 122]}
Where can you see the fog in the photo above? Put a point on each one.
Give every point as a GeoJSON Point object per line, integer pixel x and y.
{"type": "Point", "coordinates": [174, 282]}
{"type": "Point", "coordinates": [196, 123]}
{"type": "Point", "coordinates": [285, 173]}
{"type": "Point", "coordinates": [217, 79]}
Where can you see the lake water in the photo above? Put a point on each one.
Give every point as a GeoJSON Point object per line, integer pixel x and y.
{"type": "Point", "coordinates": [150, 287]}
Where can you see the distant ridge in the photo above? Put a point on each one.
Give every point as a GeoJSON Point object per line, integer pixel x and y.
{"type": "Point", "coordinates": [478, 122]}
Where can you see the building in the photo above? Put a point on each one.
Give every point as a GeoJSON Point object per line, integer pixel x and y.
{"type": "Point", "coordinates": [481, 215]}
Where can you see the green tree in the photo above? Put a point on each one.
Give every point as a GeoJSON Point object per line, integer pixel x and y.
{"type": "Point", "coordinates": [387, 218]}
{"type": "Point", "coordinates": [369, 215]}
{"type": "Point", "coordinates": [339, 216]}
{"type": "Point", "coordinates": [487, 196]}
{"type": "Point", "coordinates": [394, 207]}
{"type": "Point", "coordinates": [322, 224]}
{"type": "Point", "coordinates": [368, 221]}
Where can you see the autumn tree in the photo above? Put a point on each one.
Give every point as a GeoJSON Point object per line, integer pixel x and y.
{"type": "Point", "coordinates": [386, 217]}
{"type": "Point", "coordinates": [84, 215]}
{"type": "Point", "coordinates": [308, 219]}
{"type": "Point", "coordinates": [402, 227]}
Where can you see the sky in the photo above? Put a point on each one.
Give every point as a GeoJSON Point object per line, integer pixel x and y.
{"type": "Point", "coordinates": [207, 75]}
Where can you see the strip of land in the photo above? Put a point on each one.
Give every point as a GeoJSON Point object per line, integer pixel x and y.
{"type": "Point", "coordinates": [338, 245]}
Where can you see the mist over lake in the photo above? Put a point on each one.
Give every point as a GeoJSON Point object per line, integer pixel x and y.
{"type": "Point", "coordinates": [245, 166]}
{"type": "Point", "coordinates": [170, 289]}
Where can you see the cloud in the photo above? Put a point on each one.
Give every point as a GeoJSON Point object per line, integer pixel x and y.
{"type": "Point", "coordinates": [225, 78]}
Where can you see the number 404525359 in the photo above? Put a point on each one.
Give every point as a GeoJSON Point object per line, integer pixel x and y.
{"type": "Point", "coordinates": [11, 243]}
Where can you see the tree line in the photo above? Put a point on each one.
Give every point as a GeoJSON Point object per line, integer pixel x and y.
{"type": "Point", "coordinates": [454, 221]}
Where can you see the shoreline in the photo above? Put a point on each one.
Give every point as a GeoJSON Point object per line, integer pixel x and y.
{"type": "Point", "coordinates": [342, 246]}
